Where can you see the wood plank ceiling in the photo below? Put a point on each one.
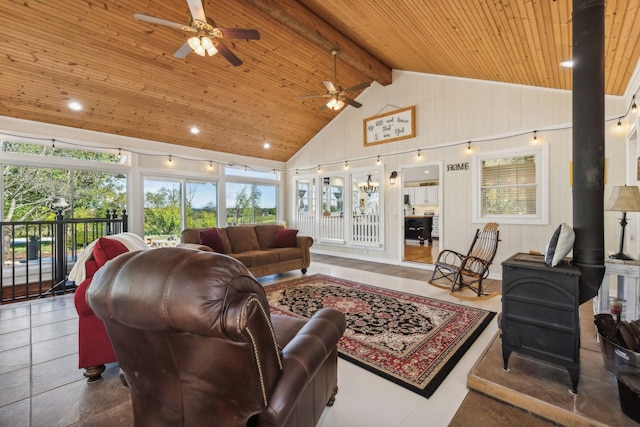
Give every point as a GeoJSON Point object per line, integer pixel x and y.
{"type": "Point", "coordinates": [124, 73]}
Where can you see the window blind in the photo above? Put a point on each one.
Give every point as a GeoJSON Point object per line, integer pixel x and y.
{"type": "Point", "coordinates": [509, 186]}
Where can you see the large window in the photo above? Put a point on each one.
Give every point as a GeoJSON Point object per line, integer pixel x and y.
{"type": "Point", "coordinates": [202, 205]}
{"type": "Point", "coordinates": [162, 207]}
{"type": "Point", "coordinates": [29, 188]}
{"type": "Point", "coordinates": [251, 196]}
{"type": "Point", "coordinates": [511, 186]}
{"type": "Point", "coordinates": [32, 181]}
{"type": "Point", "coordinates": [173, 204]}
{"type": "Point", "coordinates": [251, 203]}
{"type": "Point", "coordinates": [29, 191]}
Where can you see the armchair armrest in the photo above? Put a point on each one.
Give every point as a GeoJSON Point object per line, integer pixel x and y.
{"type": "Point", "coordinates": [195, 246]}
{"type": "Point", "coordinates": [246, 319]}
{"type": "Point", "coordinates": [302, 358]}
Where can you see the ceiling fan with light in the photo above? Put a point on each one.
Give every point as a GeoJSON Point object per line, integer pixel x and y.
{"type": "Point", "coordinates": [335, 92]}
{"type": "Point", "coordinates": [206, 34]}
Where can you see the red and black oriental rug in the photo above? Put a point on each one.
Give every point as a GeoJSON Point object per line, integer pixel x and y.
{"type": "Point", "coordinates": [411, 340]}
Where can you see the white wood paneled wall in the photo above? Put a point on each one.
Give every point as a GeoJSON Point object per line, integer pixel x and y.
{"type": "Point", "coordinates": [454, 110]}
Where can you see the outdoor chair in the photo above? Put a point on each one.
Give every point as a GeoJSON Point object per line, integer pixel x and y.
{"type": "Point", "coordinates": [471, 269]}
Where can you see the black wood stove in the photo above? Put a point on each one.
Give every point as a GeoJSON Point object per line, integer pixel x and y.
{"type": "Point", "coordinates": [540, 312]}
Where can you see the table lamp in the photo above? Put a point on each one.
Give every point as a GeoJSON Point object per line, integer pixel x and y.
{"type": "Point", "coordinates": [623, 199]}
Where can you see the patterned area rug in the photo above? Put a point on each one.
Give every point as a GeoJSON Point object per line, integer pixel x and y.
{"type": "Point", "coordinates": [411, 340]}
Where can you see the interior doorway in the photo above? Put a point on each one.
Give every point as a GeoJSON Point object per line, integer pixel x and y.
{"type": "Point", "coordinates": [422, 213]}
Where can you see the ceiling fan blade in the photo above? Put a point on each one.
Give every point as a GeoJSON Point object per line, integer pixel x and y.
{"type": "Point", "coordinates": [197, 10]}
{"type": "Point", "coordinates": [326, 95]}
{"type": "Point", "coordinates": [228, 55]}
{"type": "Point", "coordinates": [357, 87]}
{"type": "Point", "coordinates": [182, 51]}
{"type": "Point", "coordinates": [158, 21]}
{"type": "Point", "coordinates": [240, 33]}
{"type": "Point", "coordinates": [351, 102]}
{"type": "Point", "coordinates": [329, 85]}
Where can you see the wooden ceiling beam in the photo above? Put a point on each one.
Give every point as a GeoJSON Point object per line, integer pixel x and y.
{"type": "Point", "coordinates": [304, 22]}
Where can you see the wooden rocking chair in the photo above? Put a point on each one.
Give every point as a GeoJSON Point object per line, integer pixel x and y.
{"type": "Point", "coordinates": [469, 270]}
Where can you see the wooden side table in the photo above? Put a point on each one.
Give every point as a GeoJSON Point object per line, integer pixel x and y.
{"type": "Point", "coordinates": [628, 275]}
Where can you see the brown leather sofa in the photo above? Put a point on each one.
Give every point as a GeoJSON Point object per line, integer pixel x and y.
{"type": "Point", "coordinates": [253, 245]}
{"type": "Point", "coordinates": [198, 347]}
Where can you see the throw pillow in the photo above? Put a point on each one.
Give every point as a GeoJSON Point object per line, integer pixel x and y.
{"type": "Point", "coordinates": [560, 245]}
{"type": "Point", "coordinates": [106, 249]}
{"type": "Point", "coordinates": [91, 266]}
{"type": "Point", "coordinates": [211, 237]}
{"type": "Point", "coordinates": [285, 238]}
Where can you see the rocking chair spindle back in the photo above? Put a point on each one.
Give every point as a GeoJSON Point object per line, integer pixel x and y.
{"type": "Point", "coordinates": [469, 270]}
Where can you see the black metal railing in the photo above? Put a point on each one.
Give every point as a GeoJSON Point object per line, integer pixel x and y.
{"type": "Point", "coordinates": [37, 255]}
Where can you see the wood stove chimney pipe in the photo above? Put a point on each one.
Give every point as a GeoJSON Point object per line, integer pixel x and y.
{"type": "Point", "coordinates": [588, 144]}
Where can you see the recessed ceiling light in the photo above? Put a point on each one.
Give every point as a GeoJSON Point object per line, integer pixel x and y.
{"type": "Point", "coordinates": [75, 106]}
{"type": "Point", "coordinates": [266, 145]}
{"type": "Point", "coordinates": [195, 130]}
{"type": "Point", "coordinates": [426, 171]}
{"type": "Point", "coordinates": [567, 64]}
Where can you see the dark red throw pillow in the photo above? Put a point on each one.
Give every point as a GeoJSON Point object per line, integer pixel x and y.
{"type": "Point", "coordinates": [106, 249]}
{"type": "Point", "coordinates": [210, 237]}
{"type": "Point", "coordinates": [285, 238]}
{"type": "Point", "coordinates": [90, 267]}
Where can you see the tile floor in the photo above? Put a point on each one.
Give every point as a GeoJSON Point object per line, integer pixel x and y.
{"type": "Point", "coordinates": [40, 384]}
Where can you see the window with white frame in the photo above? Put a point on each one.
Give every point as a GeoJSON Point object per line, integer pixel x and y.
{"type": "Point", "coordinates": [171, 204]}
{"type": "Point", "coordinates": [251, 196]}
{"type": "Point", "coordinates": [511, 186]}
{"type": "Point", "coordinates": [349, 208]}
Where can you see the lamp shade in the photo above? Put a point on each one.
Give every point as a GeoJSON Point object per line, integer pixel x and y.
{"type": "Point", "coordinates": [623, 199]}
{"type": "Point", "coordinates": [206, 43]}
{"type": "Point", "coordinates": [194, 42]}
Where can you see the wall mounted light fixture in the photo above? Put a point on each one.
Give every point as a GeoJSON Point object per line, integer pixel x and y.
{"type": "Point", "coordinates": [392, 178]}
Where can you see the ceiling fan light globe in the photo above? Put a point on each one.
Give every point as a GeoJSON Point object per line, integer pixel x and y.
{"type": "Point", "coordinates": [212, 50]}
{"type": "Point", "coordinates": [199, 50]}
{"type": "Point", "coordinates": [206, 43]}
{"type": "Point", "coordinates": [339, 104]}
{"type": "Point", "coordinates": [194, 42]}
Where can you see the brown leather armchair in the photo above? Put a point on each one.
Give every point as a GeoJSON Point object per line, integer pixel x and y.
{"type": "Point", "coordinates": [198, 346]}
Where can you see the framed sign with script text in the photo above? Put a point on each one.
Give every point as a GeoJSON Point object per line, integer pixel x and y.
{"type": "Point", "coordinates": [393, 126]}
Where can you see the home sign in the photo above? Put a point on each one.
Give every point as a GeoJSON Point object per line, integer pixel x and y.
{"type": "Point", "coordinates": [458, 166]}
